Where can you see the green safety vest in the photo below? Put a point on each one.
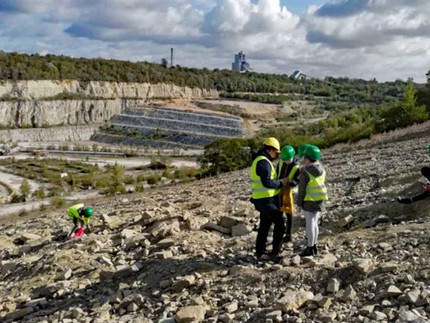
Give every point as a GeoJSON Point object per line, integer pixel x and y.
{"type": "Point", "coordinates": [258, 190]}
{"type": "Point", "coordinates": [316, 190]}
{"type": "Point", "coordinates": [290, 175]}
{"type": "Point", "coordinates": [73, 212]}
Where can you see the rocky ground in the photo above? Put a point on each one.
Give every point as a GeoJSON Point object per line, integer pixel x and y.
{"type": "Point", "coordinates": [185, 252]}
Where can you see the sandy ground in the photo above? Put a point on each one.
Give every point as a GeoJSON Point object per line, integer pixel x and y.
{"type": "Point", "coordinates": [15, 181]}
{"type": "Point", "coordinates": [7, 209]}
{"type": "Point", "coordinates": [105, 161]}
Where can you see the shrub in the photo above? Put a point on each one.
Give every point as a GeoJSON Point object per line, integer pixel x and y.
{"type": "Point", "coordinates": [25, 189]}
{"type": "Point", "coordinates": [153, 179]}
{"type": "Point", "coordinates": [40, 193]}
{"type": "Point", "coordinates": [58, 202]}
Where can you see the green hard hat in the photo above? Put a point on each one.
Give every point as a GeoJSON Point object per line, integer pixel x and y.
{"type": "Point", "coordinates": [302, 150]}
{"type": "Point", "coordinates": [312, 152]}
{"type": "Point", "coordinates": [287, 153]}
{"type": "Point", "coordinates": [88, 212]}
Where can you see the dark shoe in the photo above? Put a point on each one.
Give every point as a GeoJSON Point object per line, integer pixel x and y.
{"type": "Point", "coordinates": [274, 258]}
{"type": "Point", "coordinates": [307, 252]}
{"type": "Point", "coordinates": [407, 200]}
{"type": "Point", "coordinates": [314, 250]}
{"type": "Point", "coordinates": [287, 238]}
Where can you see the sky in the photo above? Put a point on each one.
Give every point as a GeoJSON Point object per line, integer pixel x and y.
{"type": "Point", "coordinates": [382, 39]}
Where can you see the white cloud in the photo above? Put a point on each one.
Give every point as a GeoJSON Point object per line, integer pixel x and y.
{"type": "Point", "coordinates": [355, 38]}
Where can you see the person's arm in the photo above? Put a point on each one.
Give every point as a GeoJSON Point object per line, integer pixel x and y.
{"type": "Point", "coordinates": [295, 181]}
{"type": "Point", "coordinates": [303, 182]}
{"type": "Point", "coordinates": [264, 170]}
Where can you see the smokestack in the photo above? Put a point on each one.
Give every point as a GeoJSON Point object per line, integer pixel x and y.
{"type": "Point", "coordinates": [171, 57]}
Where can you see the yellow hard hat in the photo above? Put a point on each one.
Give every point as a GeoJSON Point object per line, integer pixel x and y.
{"type": "Point", "coordinates": [273, 142]}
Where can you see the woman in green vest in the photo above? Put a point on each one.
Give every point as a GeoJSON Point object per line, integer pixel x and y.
{"type": "Point", "coordinates": [312, 196]}
{"type": "Point", "coordinates": [265, 197]}
{"type": "Point", "coordinates": [288, 168]}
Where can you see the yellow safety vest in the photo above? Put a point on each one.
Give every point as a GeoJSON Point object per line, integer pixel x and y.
{"type": "Point", "coordinates": [73, 212]}
{"type": "Point", "coordinates": [290, 175]}
{"type": "Point", "coordinates": [316, 190]}
{"type": "Point", "coordinates": [258, 190]}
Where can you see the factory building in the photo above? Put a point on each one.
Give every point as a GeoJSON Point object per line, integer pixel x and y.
{"type": "Point", "coordinates": [240, 64]}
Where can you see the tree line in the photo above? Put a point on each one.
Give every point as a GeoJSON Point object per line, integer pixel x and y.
{"type": "Point", "coordinates": [14, 66]}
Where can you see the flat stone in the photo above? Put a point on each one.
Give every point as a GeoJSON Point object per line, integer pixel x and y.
{"type": "Point", "coordinates": [252, 301]}
{"type": "Point", "coordinates": [349, 294]}
{"type": "Point", "coordinates": [132, 307]}
{"type": "Point", "coordinates": [423, 302]}
{"type": "Point", "coordinates": [166, 243]}
{"type": "Point", "coordinates": [345, 221]}
{"type": "Point", "coordinates": [183, 283]}
{"type": "Point", "coordinates": [363, 265]}
{"type": "Point", "coordinates": [35, 302]}
{"type": "Point", "coordinates": [215, 227]}
{"type": "Point", "coordinates": [64, 275]}
{"type": "Point", "coordinates": [275, 316]}
{"type": "Point", "coordinates": [366, 310]}
{"type": "Point", "coordinates": [408, 316]}
{"type": "Point", "coordinates": [228, 222]}
{"type": "Point", "coordinates": [333, 285]}
{"type": "Point", "coordinates": [226, 318]}
{"type": "Point", "coordinates": [325, 302]}
{"type": "Point", "coordinates": [389, 267]}
{"type": "Point", "coordinates": [296, 260]}
{"type": "Point", "coordinates": [293, 300]}
{"type": "Point", "coordinates": [385, 246]}
{"type": "Point", "coordinates": [231, 307]}
{"type": "Point", "coordinates": [240, 230]}
{"type": "Point", "coordinates": [19, 314]}
{"type": "Point", "coordinates": [165, 284]}
{"type": "Point", "coordinates": [328, 317]}
{"type": "Point", "coordinates": [328, 260]}
{"type": "Point", "coordinates": [77, 312]}
{"type": "Point", "coordinates": [27, 237]}
{"type": "Point", "coordinates": [128, 234]}
{"type": "Point", "coordinates": [413, 296]}
{"type": "Point", "coordinates": [8, 267]}
{"type": "Point", "coordinates": [188, 314]}
{"type": "Point", "coordinates": [378, 316]}
{"type": "Point", "coordinates": [394, 291]}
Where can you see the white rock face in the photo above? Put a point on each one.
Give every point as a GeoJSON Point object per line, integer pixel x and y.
{"type": "Point", "coordinates": [69, 133]}
{"type": "Point", "coordinates": [35, 104]}
{"type": "Point", "coordinates": [36, 114]}
{"type": "Point", "coordinates": [36, 90]}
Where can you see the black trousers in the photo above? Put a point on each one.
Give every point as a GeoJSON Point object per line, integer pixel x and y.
{"type": "Point", "coordinates": [288, 219]}
{"type": "Point", "coordinates": [266, 219]}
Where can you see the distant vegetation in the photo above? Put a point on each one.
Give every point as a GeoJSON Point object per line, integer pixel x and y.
{"type": "Point", "coordinates": [15, 66]}
{"type": "Point", "coordinates": [361, 108]}
{"type": "Point", "coordinates": [350, 126]}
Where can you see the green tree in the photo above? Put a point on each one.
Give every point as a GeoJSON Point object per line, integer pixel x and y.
{"type": "Point", "coordinates": [25, 189]}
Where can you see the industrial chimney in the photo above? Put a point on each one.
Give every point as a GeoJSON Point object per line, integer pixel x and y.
{"type": "Point", "coordinates": [171, 57]}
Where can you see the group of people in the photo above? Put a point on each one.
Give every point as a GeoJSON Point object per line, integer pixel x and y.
{"type": "Point", "coordinates": [273, 190]}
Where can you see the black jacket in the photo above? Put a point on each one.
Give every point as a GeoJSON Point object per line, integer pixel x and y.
{"type": "Point", "coordinates": [286, 170]}
{"type": "Point", "coordinates": [264, 171]}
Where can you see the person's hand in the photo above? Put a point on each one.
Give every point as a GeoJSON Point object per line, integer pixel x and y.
{"type": "Point", "coordinates": [284, 181]}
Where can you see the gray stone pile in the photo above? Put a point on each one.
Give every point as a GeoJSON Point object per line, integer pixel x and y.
{"type": "Point", "coordinates": [156, 126]}
{"type": "Point", "coordinates": [186, 254]}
